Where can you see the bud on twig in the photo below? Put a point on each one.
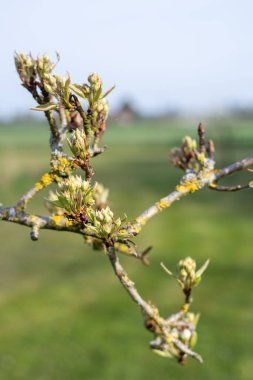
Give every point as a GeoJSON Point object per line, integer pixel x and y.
{"type": "Point", "coordinates": [78, 144]}
{"type": "Point", "coordinates": [95, 81]}
{"type": "Point", "coordinates": [188, 277]}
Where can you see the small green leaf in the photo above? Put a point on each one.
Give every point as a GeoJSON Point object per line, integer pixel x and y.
{"type": "Point", "coordinates": [193, 339]}
{"type": "Point", "coordinates": [77, 89]}
{"type": "Point", "coordinates": [164, 354]}
{"type": "Point", "coordinates": [66, 87]}
{"type": "Point", "coordinates": [58, 56]}
{"type": "Point", "coordinates": [45, 107]}
{"type": "Point", "coordinates": [97, 94]}
{"type": "Point", "coordinates": [90, 216]}
{"type": "Point", "coordinates": [202, 269]}
{"type": "Point", "coordinates": [108, 92]}
{"type": "Point", "coordinates": [166, 269]}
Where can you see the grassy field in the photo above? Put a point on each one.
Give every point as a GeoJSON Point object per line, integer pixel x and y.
{"type": "Point", "coordinates": [63, 312]}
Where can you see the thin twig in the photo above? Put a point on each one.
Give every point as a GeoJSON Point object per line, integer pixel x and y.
{"type": "Point", "coordinates": [147, 309]}
{"type": "Point", "coordinates": [130, 286]}
{"type": "Point", "coordinates": [202, 139]}
{"type": "Point", "coordinates": [213, 186]}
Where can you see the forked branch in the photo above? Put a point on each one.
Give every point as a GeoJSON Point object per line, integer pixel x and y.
{"type": "Point", "coordinates": [80, 204]}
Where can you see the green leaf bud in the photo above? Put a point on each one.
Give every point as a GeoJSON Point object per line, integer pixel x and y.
{"type": "Point", "coordinates": [100, 195]}
{"type": "Point", "coordinates": [78, 144]}
{"type": "Point", "coordinates": [117, 223]}
{"type": "Point", "coordinates": [188, 146]}
{"type": "Point", "coordinates": [107, 228]}
{"type": "Point", "coordinates": [94, 78]}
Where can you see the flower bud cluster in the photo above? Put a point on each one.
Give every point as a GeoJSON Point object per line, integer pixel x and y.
{"type": "Point", "coordinates": [91, 91]}
{"type": "Point", "coordinates": [186, 274]}
{"type": "Point", "coordinates": [184, 156]}
{"type": "Point", "coordinates": [53, 92]}
{"type": "Point", "coordinates": [75, 195]}
{"type": "Point", "coordinates": [189, 146]}
{"type": "Point", "coordinates": [101, 106]}
{"type": "Point", "coordinates": [80, 202]}
{"type": "Point", "coordinates": [100, 195]}
{"type": "Point", "coordinates": [98, 109]}
{"type": "Point", "coordinates": [60, 88]}
{"type": "Point", "coordinates": [187, 157]}
{"type": "Point", "coordinates": [95, 81]}
{"type": "Point", "coordinates": [185, 329]}
{"type": "Point", "coordinates": [78, 144]}
{"type": "Point", "coordinates": [44, 66]}
{"type": "Point", "coordinates": [25, 66]}
{"type": "Point", "coordinates": [28, 67]}
{"type": "Point", "coordinates": [188, 277]}
{"type": "Point", "coordinates": [39, 72]}
{"type": "Point", "coordinates": [103, 225]}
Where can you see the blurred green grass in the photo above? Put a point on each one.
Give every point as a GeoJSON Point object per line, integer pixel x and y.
{"type": "Point", "coordinates": [64, 314]}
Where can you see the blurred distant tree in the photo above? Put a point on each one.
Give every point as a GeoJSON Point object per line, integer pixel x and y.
{"type": "Point", "coordinates": [80, 205]}
{"type": "Point", "coordinates": [126, 114]}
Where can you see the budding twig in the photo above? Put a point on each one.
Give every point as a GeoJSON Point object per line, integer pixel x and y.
{"type": "Point", "coordinates": [79, 206]}
{"type": "Point", "coordinates": [201, 180]}
{"type": "Point", "coordinates": [160, 326]}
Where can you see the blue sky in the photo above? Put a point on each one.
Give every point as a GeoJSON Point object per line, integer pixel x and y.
{"type": "Point", "coordinates": [195, 55]}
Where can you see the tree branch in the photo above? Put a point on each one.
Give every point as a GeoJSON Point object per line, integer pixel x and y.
{"type": "Point", "coordinates": [204, 178]}
{"type": "Point", "coordinates": [45, 181]}
{"type": "Point", "coordinates": [165, 342]}
{"type": "Point", "coordinates": [235, 167]}
{"type": "Point", "coordinates": [56, 222]}
{"type": "Point", "coordinates": [84, 205]}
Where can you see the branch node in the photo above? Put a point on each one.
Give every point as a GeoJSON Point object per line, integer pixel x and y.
{"type": "Point", "coordinates": [143, 255]}
{"type": "Point", "coordinates": [34, 234]}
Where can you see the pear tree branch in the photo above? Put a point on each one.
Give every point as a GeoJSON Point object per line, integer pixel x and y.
{"type": "Point", "coordinates": [80, 205]}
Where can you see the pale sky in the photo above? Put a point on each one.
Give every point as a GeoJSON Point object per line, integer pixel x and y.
{"type": "Point", "coordinates": [195, 55]}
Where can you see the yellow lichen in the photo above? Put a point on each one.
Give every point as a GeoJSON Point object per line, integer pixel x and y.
{"type": "Point", "coordinates": [126, 278]}
{"type": "Point", "coordinates": [185, 307]}
{"type": "Point", "coordinates": [141, 221]}
{"type": "Point", "coordinates": [189, 186]}
{"type": "Point", "coordinates": [56, 219]}
{"type": "Point", "coordinates": [68, 222]}
{"type": "Point", "coordinates": [181, 188]}
{"type": "Point", "coordinates": [45, 180]}
{"type": "Point", "coordinates": [63, 166]}
{"type": "Point", "coordinates": [38, 186]}
{"type": "Point", "coordinates": [59, 220]}
{"type": "Point", "coordinates": [162, 204]}
{"type": "Point", "coordinates": [137, 228]}
{"type": "Point", "coordinates": [193, 185]}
